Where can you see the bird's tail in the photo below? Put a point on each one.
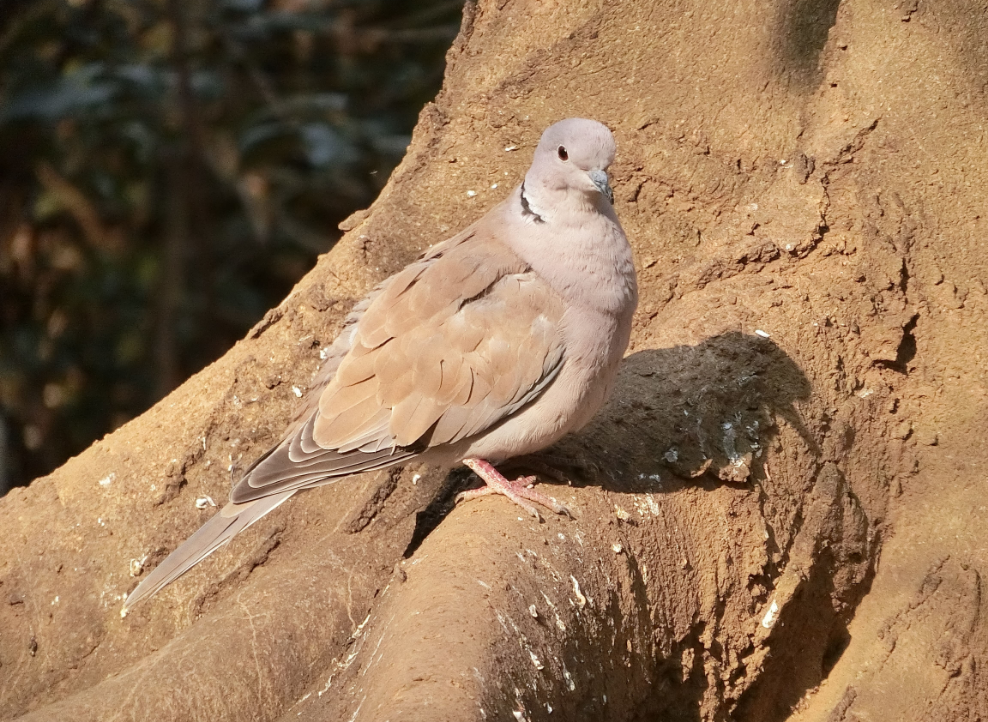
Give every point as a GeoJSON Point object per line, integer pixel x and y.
{"type": "Point", "coordinates": [225, 524]}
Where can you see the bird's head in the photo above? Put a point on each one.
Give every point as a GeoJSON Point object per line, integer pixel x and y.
{"type": "Point", "coordinates": [574, 154]}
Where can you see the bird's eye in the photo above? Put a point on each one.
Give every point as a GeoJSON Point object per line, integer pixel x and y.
{"type": "Point", "coordinates": [563, 155]}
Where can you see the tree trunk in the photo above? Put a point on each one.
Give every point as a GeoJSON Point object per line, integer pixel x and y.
{"type": "Point", "coordinates": [805, 396]}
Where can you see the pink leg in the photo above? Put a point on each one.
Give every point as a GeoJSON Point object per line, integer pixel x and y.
{"type": "Point", "coordinates": [516, 490]}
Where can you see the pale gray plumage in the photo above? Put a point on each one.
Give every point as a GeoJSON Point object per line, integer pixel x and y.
{"type": "Point", "coordinates": [494, 344]}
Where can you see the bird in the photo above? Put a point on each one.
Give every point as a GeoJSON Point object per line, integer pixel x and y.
{"type": "Point", "coordinates": [493, 344]}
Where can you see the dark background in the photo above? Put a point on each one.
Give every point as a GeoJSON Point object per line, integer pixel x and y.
{"type": "Point", "coordinates": [168, 170]}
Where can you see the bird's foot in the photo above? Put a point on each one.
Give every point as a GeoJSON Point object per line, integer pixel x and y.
{"type": "Point", "coordinates": [519, 490]}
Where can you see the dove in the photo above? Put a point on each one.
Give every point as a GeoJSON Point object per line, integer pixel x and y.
{"type": "Point", "coordinates": [492, 345]}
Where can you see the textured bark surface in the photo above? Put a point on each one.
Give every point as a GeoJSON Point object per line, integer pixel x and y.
{"type": "Point", "coordinates": [779, 514]}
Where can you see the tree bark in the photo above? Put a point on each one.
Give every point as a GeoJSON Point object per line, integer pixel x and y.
{"type": "Point", "coordinates": [778, 514]}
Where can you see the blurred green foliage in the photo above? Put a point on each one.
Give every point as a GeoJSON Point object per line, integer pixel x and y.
{"type": "Point", "coordinates": [168, 170]}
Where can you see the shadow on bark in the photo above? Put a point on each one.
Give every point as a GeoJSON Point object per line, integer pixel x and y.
{"type": "Point", "coordinates": [692, 415]}
{"type": "Point", "coordinates": [801, 31]}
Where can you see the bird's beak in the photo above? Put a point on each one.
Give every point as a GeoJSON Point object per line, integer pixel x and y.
{"type": "Point", "coordinates": [599, 179]}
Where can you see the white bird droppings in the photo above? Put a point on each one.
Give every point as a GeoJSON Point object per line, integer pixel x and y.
{"type": "Point", "coordinates": [471, 194]}
{"type": "Point", "coordinates": [137, 565]}
{"type": "Point", "coordinates": [107, 480]}
{"type": "Point", "coordinates": [297, 391]}
{"type": "Point", "coordinates": [771, 616]}
{"type": "Point", "coordinates": [581, 600]}
{"type": "Point", "coordinates": [646, 506]}
{"type": "Point", "coordinates": [203, 501]}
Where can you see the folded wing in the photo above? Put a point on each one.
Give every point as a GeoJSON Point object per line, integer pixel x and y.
{"type": "Point", "coordinates": [443, 351]}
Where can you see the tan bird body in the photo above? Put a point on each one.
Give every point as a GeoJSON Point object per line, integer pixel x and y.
{"type": "Point", "coordinates": [495, 344]}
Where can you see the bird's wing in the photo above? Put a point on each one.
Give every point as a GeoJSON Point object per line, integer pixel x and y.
{"type": "Point", "coordinates": [443, 351]}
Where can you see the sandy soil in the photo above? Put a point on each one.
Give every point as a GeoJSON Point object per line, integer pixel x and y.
{"type": "Point", "coordinates": [778, 515]}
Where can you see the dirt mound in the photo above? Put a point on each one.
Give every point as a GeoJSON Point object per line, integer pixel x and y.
{"type": "Point", "coordinates": [778, 513]}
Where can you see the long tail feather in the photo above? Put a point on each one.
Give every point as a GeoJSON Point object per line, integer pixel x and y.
{"type": "Point", "coordinates": [225, 524]}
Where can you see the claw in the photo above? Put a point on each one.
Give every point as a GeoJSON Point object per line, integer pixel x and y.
{"type": "Point", "coordinates": [519, 491]}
